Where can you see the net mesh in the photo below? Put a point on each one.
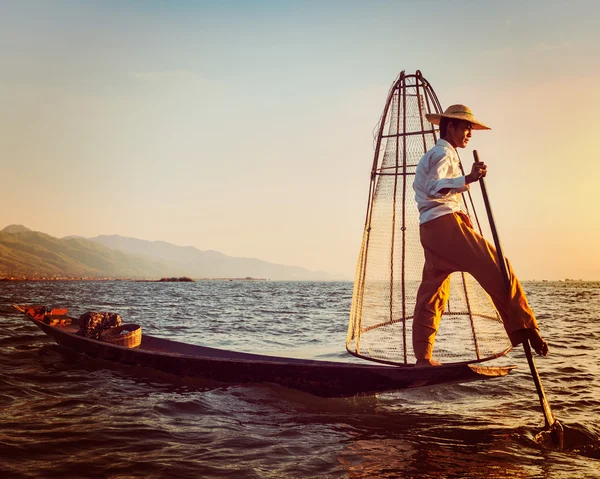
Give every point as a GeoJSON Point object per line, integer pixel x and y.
{"type": "Point", "coordinates": [391, 257]}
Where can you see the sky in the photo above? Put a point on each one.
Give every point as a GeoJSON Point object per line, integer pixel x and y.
{"type": "Point", "coordinates": [246, 127]}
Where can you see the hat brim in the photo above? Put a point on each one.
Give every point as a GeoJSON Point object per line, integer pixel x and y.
{"type": "Point", "coordinates": [434, 119]}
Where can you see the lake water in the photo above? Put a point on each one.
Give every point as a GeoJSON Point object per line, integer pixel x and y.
{"type": "Point", "coordinates": [65, 415]}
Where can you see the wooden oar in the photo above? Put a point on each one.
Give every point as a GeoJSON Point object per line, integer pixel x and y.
{"type": "Point", "coordinates": [555, 428]}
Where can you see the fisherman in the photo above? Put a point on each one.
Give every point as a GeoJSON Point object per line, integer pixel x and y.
{"type": "Point", "coordinates": [451, 244]}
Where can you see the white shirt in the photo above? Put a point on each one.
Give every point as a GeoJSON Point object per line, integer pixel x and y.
{"type": "Point", "coordinates": [438, 169]}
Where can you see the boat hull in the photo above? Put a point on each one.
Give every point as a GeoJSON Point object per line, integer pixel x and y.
{"type": "Point", "coordinates": [321, 378]}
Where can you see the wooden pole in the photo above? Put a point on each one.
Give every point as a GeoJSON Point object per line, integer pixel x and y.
{"type": "Point", "coordinates": [551, 423]}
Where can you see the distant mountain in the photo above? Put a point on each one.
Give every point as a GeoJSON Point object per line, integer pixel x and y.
{"type": "Point", "coordinates": [35, 254]}
{"type": "Point", "coordinates": [208, 264]}
{"type": "Point", "coordinates": [15, 229]}
{"type": "Point", "coordinates": [24, 252]}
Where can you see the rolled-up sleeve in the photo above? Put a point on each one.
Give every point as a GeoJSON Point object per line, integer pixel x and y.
{"type": "Point", "coordinates": [436, 180]}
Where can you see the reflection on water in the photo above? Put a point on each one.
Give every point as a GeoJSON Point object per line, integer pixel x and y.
{"type": "Point", "coordinates": [65, 415]}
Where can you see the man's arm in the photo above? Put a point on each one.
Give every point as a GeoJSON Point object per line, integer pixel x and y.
{"type": "Point", "coordinates": [440, 182]}
{"type": "Point", "coordinates": [478, 170]}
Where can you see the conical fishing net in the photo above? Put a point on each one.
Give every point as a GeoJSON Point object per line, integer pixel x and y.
{"type": "Point", "coordinates": [391, 258]}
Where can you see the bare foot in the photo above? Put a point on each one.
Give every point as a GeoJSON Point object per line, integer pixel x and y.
{"type": "Point", "coordinates": [424, 363]}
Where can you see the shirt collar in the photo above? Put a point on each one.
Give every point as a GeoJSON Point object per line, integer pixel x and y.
{"type": "Point", "coordinates": [446, 144]}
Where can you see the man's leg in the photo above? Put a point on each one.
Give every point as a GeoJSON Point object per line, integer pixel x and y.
{"type": "Point", "coordinates": [518, 318]}
{"type": "Point", "coordinates": [431, 300]}
{"type": "Point", "coordinates": [463, 249]}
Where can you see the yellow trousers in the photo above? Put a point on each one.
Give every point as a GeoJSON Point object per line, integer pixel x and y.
{"type": "Point", "coordinates": [451, 244]}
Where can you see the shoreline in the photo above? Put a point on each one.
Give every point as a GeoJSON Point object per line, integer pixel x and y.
{"type": "Point", "coordinates": [136, 280]}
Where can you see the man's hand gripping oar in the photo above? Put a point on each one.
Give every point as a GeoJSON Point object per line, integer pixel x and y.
{"type": "Point", "coordinates": [552, 425]}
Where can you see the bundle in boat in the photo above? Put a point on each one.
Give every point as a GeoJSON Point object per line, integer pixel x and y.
{"type": "Point", "coordinates": [92, 324]}
{"type": "Point", "coordinates": [391, 258]}
{"type": "Point", "coordinates": [107, 327]}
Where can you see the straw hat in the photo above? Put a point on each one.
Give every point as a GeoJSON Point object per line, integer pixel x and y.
{"type": "Point", "coordinates": [459, 112]}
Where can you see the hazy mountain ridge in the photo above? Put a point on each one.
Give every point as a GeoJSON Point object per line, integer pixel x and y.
{"type": "Point", "coordinates": [37, 254]}
{"type": "Point", "coordinates": [211, 264]}
{"type": "Point", "coordinates": [15, 229]}
{"type": "Point", "coordinates": [24, 252]}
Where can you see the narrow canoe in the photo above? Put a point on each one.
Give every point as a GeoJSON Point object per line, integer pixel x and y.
{"type": "Point", "coordinates": [321, 378]}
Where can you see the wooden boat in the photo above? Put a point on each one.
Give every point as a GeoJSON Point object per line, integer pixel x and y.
{"type": "Point", "coordinates": [321, 378]}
